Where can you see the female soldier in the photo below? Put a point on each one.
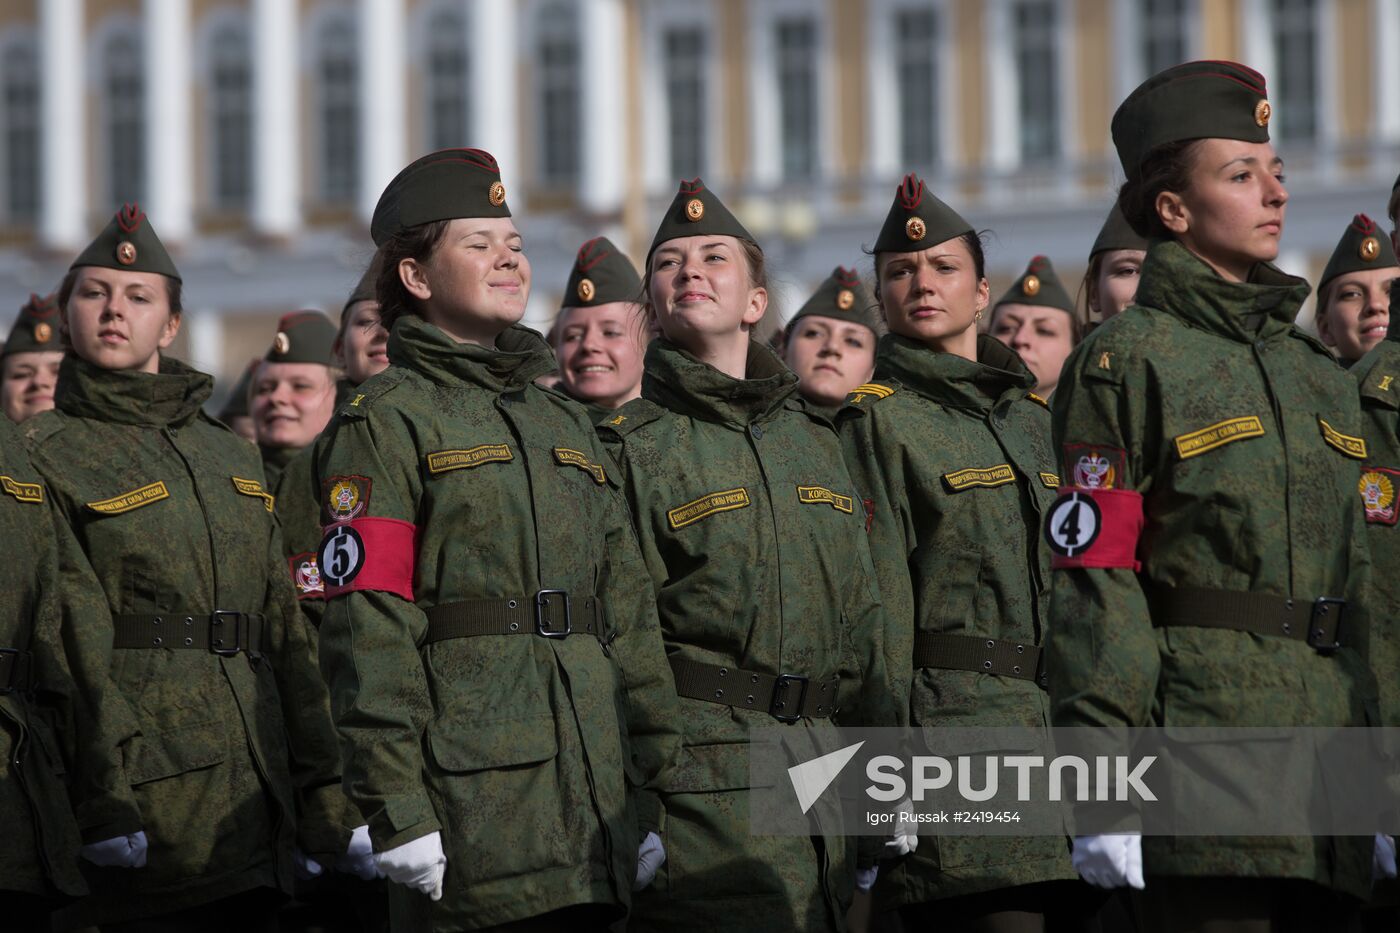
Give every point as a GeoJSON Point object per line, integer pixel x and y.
{"type": "Point", "coordinates": [1036, 318]}
{"type": "Point", "coordinates": [767, 599]}
{"type": "Point", "coordinates": [952, 452]}
{"type": "Point", "coordinates": [294, 389]}
{"type": "Point", "coordinates": [490, 637]}
{"type": "Point", "coordinates": [1218, 445]}
{"type": "Point", "coordinates": [236, 761]}
{"type": "Point", "coordinates": [361, 343]}
{"type": "Point", "coordinates": [830, 341]}
{"type": "Point", "coordinates": [600, 334]}
{"type": "Point", "coordinates": [1353, 295]}
{"type": "Point", "coordinates": [29, 360]}
{"type": "Point", "coordinates": [1114, 264]}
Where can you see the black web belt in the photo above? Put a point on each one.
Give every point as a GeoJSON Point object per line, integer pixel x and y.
{"type": "Point", "coordinates": [786, 697]}
{"type": "Point", "coordinates": [224, 632]}
{"type": "Point", "coordinates": [1019, 660]}
{"type": "Point", "coordinates": [548, 613]}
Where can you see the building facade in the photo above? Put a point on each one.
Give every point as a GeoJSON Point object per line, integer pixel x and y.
{"type": "Point", "coordinates": [257, 134]}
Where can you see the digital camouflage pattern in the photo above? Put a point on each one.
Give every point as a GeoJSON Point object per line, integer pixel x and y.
{"type": "Point", "coordinates": [525, 752]}
{"type": "Point", "coordinates": [300, 513]}
{"type": "Point", "coordinates": [236, 761]}
{"type": "Point", "coordinates": [1273, 509]}
{"type": "Point", "coordinates": [958, 557]}
{"type": "Point", "coordinates": [749, 572]}
{"type": "Point", "coordinates": [68, 728]}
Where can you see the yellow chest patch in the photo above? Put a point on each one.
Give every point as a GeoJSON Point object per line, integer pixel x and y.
{"type": "Point", "coordinates": [987, 477]}
{"type": "Point", "coordinates": [444, 461]}
{"type": "Point", "coordinates": [1050, 480]}
{"type": "Point", "coordinates": [569, 457]}
{"type": "Point", "coordinates": [705, 506]}
{"type": "Point", "coordinates": [131, 500]}
{"type": "Point", "coordinates": [251, 487]}
{"type": "Point", "coordinates": [24, 492]}
{"type": "Point", "coordinates": [1217, 435]}
{"type": "Point", "coordinates": [1353, 447]}
{"type": "Point", "coordinates": [820, 495]}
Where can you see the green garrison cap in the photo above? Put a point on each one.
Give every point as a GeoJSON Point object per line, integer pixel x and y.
{"type": "Point", "coordinates": [1117, 233]}
{"type": "Point", "coordinates": [696, 211]}
{"type": "Point", "coordinates": [365, 288]}
{"type": "Point", "coordinates": [842, 296]}
{"type": "Point", "coordinates": [236, 405]}
{"type": "Point", "coordinates": [1039, 286]}
{"type": "Point", "coordinates": [1361, 247]}
{"type": "Point", "coordinates": [1195, 100]}
{"type": "Point", "coordinates": [442, 185]}
{"type": "Point", "coordinates": [601, 275]}
{"type": "Point", "coordinates": [36, 328]}
{"type": "Point", "coordinates": [918, 220]}
{"type": "Point", "coordinates": [128, 242]}
{"type": "Point", "coordinates": [304, 337]}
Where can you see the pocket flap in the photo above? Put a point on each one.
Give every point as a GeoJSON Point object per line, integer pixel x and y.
{"type": "Point", "coordinates": [166, 754]}
{"type": "Point", "coordinates": [501, 743]}
{"type": "Point", "coordinates": [711, 767]}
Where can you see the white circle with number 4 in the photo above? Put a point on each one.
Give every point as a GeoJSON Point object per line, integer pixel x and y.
{"type": "Point", "coordinates": [341, 556]}
{"type": "Point", "coordinates": [1073, 524]}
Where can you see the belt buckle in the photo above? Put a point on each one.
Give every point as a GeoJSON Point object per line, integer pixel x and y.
{"type": "Point", "coordinates": [13, 683]}
{"type": "Point", "coordinates": [216, 643]}
{"type": "Point", "coordinates": [1325, 624]}
{"type": "Point", "coordinates": [541, 604]}
{"type": "Point", "coordinates": [780, 699]}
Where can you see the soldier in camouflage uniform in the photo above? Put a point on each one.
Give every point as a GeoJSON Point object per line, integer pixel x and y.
{"type": "Point", "coordinates": [950, 450]}
{"type": "Point", "coordinates": [830, 341]}
{"type": "Point", "coordinates": [236, 762]}
{"type": "Point", "coordinates": [1037, 319]}
{"type": "Point", "coordinates": [490, 636]}
{"type": "Point", "coordinates": [56, 714]}
{"type": "Point", "coordinates": [294, 389]}
{"type": "Point", "coordinates": [753, 537]}
{"type": "Point", "coordinates": [1353, 295]}
{"type": "Point", "coordinates": [29, 360]}
{"type": "Point", "coordinates": [1115, 262]}
{"type": "Point", "coordinates": [1211, 564]}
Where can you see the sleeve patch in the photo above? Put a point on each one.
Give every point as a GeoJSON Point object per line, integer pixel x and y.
{"type": "Point", "coordinates": [24, 492]}
{"type": "Point", "coordinates": [1094, 528]}
{"type": "Point", "coordinates": [988, 477]}
{"type": "Point", "coordinates": [705, 506]}
{"type": "Point", "coordinates": [306, 576]}
{"type": "Point", "coordinates": [377, 554]}
{"type": "Point", "coordinates": [251, 487]}
{"type": "Point", "coordinates": [135, 499]}
{"type": "Point", "coordinates": [820, 495]}
{"type": "Point", "coordinates": [1217, 435]}
{"type": "Point", "coordinates": [568, 457]}
{"type": "Point", "coordinates": [1353, 447]}
{"type": "Point", "coordinates": [445, 461]}
{"type": "Point", "coordinates": [1093, 467]}
{"type": "Point", "coordinates": [346, 497]}
{"type": "Point", "coordinates": [1377, 488]}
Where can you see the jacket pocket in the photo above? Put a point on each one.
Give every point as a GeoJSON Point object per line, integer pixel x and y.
{"type": "Point", "coordinates": [152, 757]}
{"type": "Point", "coordinates": [503, 743]}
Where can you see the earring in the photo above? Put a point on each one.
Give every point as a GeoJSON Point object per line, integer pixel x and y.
{"type": "Point", "coordinates": [978, 315]}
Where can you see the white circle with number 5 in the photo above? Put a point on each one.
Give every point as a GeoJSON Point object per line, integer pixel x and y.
{"type": "Point", "coordinates": [1073, 524]}
{"type": "Point", "coordinates": [341, 556]}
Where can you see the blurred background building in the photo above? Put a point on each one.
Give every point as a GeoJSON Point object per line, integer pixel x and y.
{"type": "Point", "coordinates": [257, 134]}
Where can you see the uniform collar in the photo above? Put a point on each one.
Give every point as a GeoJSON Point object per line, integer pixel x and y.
{"type": "Point", "coordinates": [949, 379]}
{"type": "Point", "coordinates": [169, 398]}
{"type": "Point", "coordinates": [277, 458]}
{"type": "Point", "coordinates": [1180, 283]}
{"type": "Point", "coordinates": [675, 379]}
{"type": "Point", "coordinates": [519, 357]}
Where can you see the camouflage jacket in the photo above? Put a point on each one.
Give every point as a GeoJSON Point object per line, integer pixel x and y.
{"type": "Point", "coordinates": [299, 512]}
{"type": "Point", "coordinates": [236, 759]}
{"type": "Point", "coordinates": [58, 723]}
{"type": "Point", "coordinates": [1241, 435]}
{"type": "Point", "coordinates": [954, 461]}
{"type": "Point", "coordinates": [505, 488]}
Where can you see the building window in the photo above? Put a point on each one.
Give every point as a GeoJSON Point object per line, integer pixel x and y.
{"type": "Point", "coordinates": [1037, 70]}
{"type": "Point", "coordinates": [684, 58]}
{"type": "Point", "coordinates": [231, 116]}
{"type": "Point", "coordinates": [796, 45]}
{"type": "Point", "coordinates": [1294, 25]}
{"type": "Point", "coordinates": [449, 117]}
{"type": "Point", "coordinates": [560, 103]}
{"type": "Point", "coordinates": [1164, 24]}
{"type": "Point", "coordinates": [338, 77]}
{"type": "Point", "coordinates": [916, 78]}
{"type": "Point", "coordinates": [21, 122]}
{"type": "Point", "coordinates": [125, 117]}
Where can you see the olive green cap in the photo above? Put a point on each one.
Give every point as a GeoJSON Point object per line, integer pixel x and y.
{"type": "Point", "coordinates": [1362, 246]}
{"type": "Point", "coordinates": [1038, 286]}
{"type": "Point", "coordinates": [128, 242]}
{"type": "Point", "coordinates": [36, 328]}
{"type": "Point", "coordinates": [236, 405]}
{"type": "Point", "coordinates": [1117, 233]}
{"type": "Point", "coordinates": [918, 220]}
{"type": "Point", "coordinates": [697, 211]}
{"type": "Point", "coordinates": [601, 275]}
{"type": "Point", "coordinates": [442, 185]}
{"type": "Point", "coordinates": [841, 296]}
{"type": "Point", "coordinates": [366, 289]}
{"type": "Point", "coordinates": [1194, 100]}
{"type": "Point", "coordinates": [304, 337]}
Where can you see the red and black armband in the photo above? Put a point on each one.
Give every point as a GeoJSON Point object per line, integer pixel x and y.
{"type": "Point", "coordinates": [369, 554]}
{"type": "Point", "coordinates": [1088, 527]}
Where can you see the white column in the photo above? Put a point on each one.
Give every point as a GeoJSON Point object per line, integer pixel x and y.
{"type": "Point", "coordinates": [1385, 79]}
{"type": "Point", "coordinates": [63, 144]}
{"type": "Point", "coordinates": [882, 95]}
{"type": "Point", "coordinates": [383, 92]}
{"type": "Point", "coordinates": [1127, 50]}
{"type": "Point", "coordinates": [1257, 38]}
{"type": "Point", "coordinates": [1001, 84]}
{"type": "Point", "coordinates": [602, 36]}
{"type": "Point", "coordinates": [765, 110]}
{"type": "Point", "coordinates": [496, 116]}
{"type": "Point", "coordinates": [276, 129]}
{"type": "Point", "coordinates": [205, 340]}
{"type": "Point", "coordinates": [169, 136]}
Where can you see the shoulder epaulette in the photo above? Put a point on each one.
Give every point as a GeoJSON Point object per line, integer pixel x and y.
{"type": "Point", "coordinates": [630, 417]}
{"type": "Point", "coordinates": [357, 403]}
{"type": "Point", "coordinates": [1037, 399]}
{"type": "Point", "coordinates": [871, 390]}
{"type": "Point", "coordinates": [40, 428]}
{"type": "Point", "coordinates": [1378, 372]}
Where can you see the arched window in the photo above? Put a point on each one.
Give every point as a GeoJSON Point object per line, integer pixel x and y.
{"type": "Point", "coordinates": [449, 116]}
{"type": "Point", "coordinates": [231, 115]}
{"type": "Point", "coordinates": [557, 57]}
{"type": "Point", "coordinates": [337, 77]}
{"type": "Point", "coordinates": [21, 123]}
{"type": "Point", "coordinates": [124, 92]}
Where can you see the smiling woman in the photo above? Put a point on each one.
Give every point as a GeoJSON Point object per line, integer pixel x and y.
{"type": "Point", "coordinates": [1353, 295]}
{"type": "Point", "coordinates": [601, 333]}
{"type": "Point", "coordinates": [30, 360]}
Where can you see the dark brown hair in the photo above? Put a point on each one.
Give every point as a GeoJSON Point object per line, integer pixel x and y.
{"type": "Point", "coordinates": [972, 239]}
{"type": "Point", "coordinates": [1166, 168]}
{"type": "Point", "coordinates": [416, 243]}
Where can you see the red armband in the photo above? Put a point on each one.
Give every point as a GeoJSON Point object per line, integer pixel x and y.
{"type": "Point", "coordinates": [369, 554]}
{"type": "Point", "coordinates": [1094, 528]}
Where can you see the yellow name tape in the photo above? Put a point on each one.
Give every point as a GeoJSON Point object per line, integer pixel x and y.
{"type": "Point", "coordinates": [1051, 480]}
{"type": "Point", "coordinates": [251, 487]}
{"type": "Point", "coordinates": [1217, 435]}
{"type": "Point", "coordinates": [820, 495]}
{"type": "Point", "coordinates": [131, 500]}
{"type": "Point", "coordinates": [706, 506]}
{"type": "Point", "coordinates": [578, 458]}
{"type": "Point", "coordinates": [444, 461]}
{"type": "Point", "coordinates": [1353, 447]}
{"type": "Point", "coordinates": [999, 475]}
{"type": "Point", "coordinates": [24, 492]}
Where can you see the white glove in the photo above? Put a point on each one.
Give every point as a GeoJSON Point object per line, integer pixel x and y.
{"type": "Point", "coordinates": [1383, 857]}
{"type": "Point", "coordinates": [1109, 861]}
{"type": "Point", "coordinates": [418, 864]}
{"type": "Point", "coordinates": [650, 856]}
{"type": "Point", "coordinates": [306, 866]}
{"type": "Point", "coordinates": [905, 838]}
{"type": "Point", "coordinates": [120, 852]}
{"type": "Point", "coordinates": [865, 878]}
{"type": "Point", "coordinates": [358, 859]}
